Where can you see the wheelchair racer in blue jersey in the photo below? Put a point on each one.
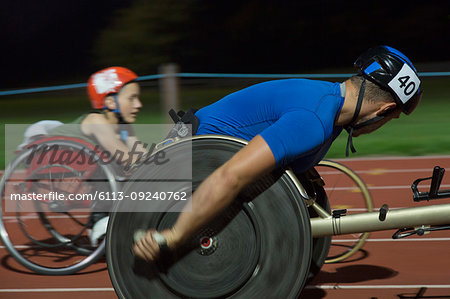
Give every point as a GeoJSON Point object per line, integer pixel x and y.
{"type": "Point", "coordinates": [291, 123]}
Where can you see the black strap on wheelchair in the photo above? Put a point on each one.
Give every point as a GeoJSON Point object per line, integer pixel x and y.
{"type": "Point", "coordinates": [187, 118]}
{"type": "Point", "coordinates": [181, 120]}
{"type": "Point", "coordinates": [180, 129]}
{"type": "Point", "coordinates": [175, 117]}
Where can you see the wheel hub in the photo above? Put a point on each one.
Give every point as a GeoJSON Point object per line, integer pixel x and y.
{"type": "Point", "coordinates": [208, 245]}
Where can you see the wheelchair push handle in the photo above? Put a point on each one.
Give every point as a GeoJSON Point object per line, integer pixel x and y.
{"type": "Point", "coordinates": [434, 193]}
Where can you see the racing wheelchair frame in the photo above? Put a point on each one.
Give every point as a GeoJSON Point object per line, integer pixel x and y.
{"type": "Point", "coordinates": [278, 224]}
{"type": "Point", "coordinates": [49, 236]}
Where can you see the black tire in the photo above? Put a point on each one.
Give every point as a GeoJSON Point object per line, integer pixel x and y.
{"type": "Point", "coordinates": [42, 239]}
{"type": "Point", "coordinates": [262, 243]}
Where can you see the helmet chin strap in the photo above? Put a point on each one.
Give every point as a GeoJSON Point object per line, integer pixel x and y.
{"type": "Point", "coordinates": [352, 126]}
{"type": "Point", "coordinates": [123, 132]}
{"type": "Point", "coordinates": [117, 110]}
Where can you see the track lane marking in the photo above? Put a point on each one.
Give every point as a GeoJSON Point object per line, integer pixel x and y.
{"type": "Point", "coordinates": [392, 240]}
{"type": "Point", "coordinates": [49, 217]}
{"type": "Point", "coordinates": [418, 286]}
{"type": "Point", "coordinates": [377, 170]}
{"type": "Point", "coordinates": [21, 246]}
{"type": "Point", "coordinates": [437, 157]}
{"type": "Point", "coordinates": [406, 286]}
{"type": "Point", "coordinates": [51, 290]}
{"type": "Point", "coordinates": [382, 187]}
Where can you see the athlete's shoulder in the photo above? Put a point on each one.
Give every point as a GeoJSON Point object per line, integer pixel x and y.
{"type": "Point", "coordinates": [95, 118]}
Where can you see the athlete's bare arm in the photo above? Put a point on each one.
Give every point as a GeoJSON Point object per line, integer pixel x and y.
{"type": "Point", "coordinates": [104, 132]}
{"type": "Point", "coordinates": [214, 195]}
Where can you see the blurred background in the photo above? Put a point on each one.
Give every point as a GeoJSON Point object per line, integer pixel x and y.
{"type": "Point", "coordinates": [53, 42]}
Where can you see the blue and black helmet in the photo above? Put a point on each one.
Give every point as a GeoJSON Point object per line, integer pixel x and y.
{"type": "Point", "coordinates": [393, 71]}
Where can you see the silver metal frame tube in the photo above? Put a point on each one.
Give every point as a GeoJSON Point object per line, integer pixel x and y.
{"type": "Point", "coordinates": [369, 222]}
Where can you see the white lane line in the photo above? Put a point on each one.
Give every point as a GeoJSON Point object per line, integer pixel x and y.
{"type": "Point", "coordinates": [383, 187]}
{"type": "Point", "coordinates": [393, 158]}
{"type": "Point", "coordinates": [56, 290]}
{"type": "Point", "coordinates": [406, 286]}
{"type": "Point", "coordinates": [20, 247]}
{"type": "Point", "coordinates": [49, 217]}
{"type": "Point", "coordinates": [378, 171]}
{"type": "Point", "coordinates": [391, 240]}
{"type": "Point", "coordinates": [418, 286]}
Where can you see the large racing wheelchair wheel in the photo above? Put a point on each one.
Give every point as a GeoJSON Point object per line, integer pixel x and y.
{"type": "Point", "coordinates": [260, 247]}
{"type": "Point", "coordinates": [45, 235]}
{"type": "Point", "coordinates": [313, 184]}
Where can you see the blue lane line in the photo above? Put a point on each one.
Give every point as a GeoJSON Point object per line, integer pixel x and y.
{"type": "Point", "coordinates": [63, 87]}
{"type": "Point", "coordinates": [150, 77]}
{"type": "Point", "coordinates": [41, 89]}
{"type": "Point", "coordinates": [208, 75]}
{"type": "Point", "coordinates": [434, 74]}
{"type": "Point", "coordinates": [203, 75]}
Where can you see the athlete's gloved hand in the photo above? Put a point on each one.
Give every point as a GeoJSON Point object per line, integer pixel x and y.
{"type": "Point", "coordinates": [151, 245]}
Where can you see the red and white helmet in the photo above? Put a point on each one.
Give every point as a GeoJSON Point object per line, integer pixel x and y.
{"type": "Point", "coordinates": [107, 81]}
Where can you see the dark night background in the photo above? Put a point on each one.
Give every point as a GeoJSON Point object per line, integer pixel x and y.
{"type": "Point", "coordinates": [59, 42]}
